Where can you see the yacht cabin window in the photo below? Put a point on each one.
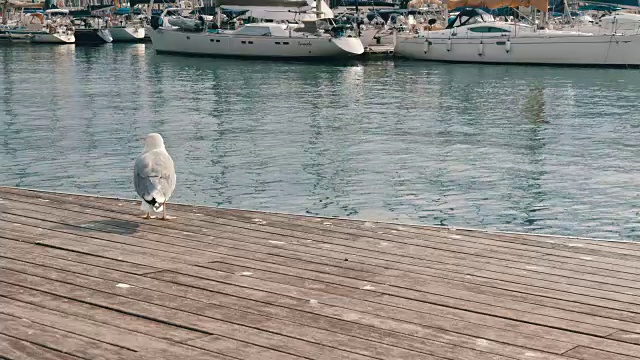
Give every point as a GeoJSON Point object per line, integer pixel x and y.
{"type": "Point", "coordinates": [488, 29]}
{"type": "Point", "coordinates": [254, 31]}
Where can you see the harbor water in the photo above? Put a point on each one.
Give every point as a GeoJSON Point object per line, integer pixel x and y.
{"type": "Point", "coordinates": [534, 149]}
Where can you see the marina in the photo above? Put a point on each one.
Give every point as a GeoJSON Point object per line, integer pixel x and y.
{"type": "Point", "coordinates": [86, 277]}
{"type": "Point", "coordinates": [529, 32]}
{"type": "Point", "coordinates": [298, 179]}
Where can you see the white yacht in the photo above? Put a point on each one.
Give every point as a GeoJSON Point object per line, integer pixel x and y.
{"type": "Point", "coordinates": [474, 36]}
{"type": "Point", "coordinates": [312, 39]}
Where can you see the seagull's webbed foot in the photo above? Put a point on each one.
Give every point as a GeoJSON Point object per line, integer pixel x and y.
{"type": "Point", "coordinates": [164, 213]}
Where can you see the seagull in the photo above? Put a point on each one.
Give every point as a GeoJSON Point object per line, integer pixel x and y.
{"type": "Point", "coordinates": [154, 176]}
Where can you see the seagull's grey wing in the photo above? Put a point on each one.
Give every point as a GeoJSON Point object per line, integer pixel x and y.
{"type": "Point", "coordinates": [141, 182]}
{"type": "Point", "coordinates": [154, 176]}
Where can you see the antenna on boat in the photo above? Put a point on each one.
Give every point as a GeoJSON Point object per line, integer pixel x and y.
{"type": "Point", "coordinates": [150, 8]}
{"type": "Point", "coordinates": [319, 12]}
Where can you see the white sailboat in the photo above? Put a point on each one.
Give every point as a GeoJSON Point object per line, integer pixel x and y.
{"type": "Point", "coordinates": [312, 39]}
{"type": "Point", "coordinates": [128, 31]}
{"type": "Point", "coordinates": [44, 28]}
{"type": "Point", "coordinates": [124, 27]}
{"type": "Point", "coordinates": [475, 36]}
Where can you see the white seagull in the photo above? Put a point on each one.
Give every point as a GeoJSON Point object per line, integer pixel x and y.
{"type": "Point", "coordinates": [154, 176]}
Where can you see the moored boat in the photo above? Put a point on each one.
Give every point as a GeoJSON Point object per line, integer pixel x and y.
{"type": "Point", "coordinates": [92, 30]}
{"type": "Point", "coordinates": [311, 39]}
{"type": "Point", "coordinates": [38, 30]}
{"type": "Point", "coordinates": [128, 30]}
{"type": "Point", "coordinates": [474, 36]}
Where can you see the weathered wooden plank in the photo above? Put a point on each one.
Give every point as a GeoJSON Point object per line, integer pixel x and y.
{"type": "Point", "coordinates": [603, 285]}
{"type": "Point", "coordinates": [626, 336]}
{"type": "Point", "coordinates": [450, 323]}
{"type": "Point", "coordinates": [432, 346]}
{"type": "Point", "coordinates": [388, 298]}
{"type": "Point", "coordinates": [160, 256]}
{"type": "Point", "coordinates": [240, 350]}
{"type": "Point", "coordinates": [31, 219]}
{"type": "Point", "coordinates": [217, 317]}
{"type": "Point", "coordinates": [389, 335]}
{"type": "Point", "coordinates": [545, 309]}
{"type": "Point", "coordinates": [331, 288]}
{"type": "Point", "coordinates": [248, 216]}
{"type": "Point", "coordinates": [14, 349]}
{"type": "Point", "coordinates": [414, 316]}
{"type": "Point", "coordinates": [99, 314]}
{"type": "Point", "coordinates": [426, 284]}
{"type": "Point", "coordinates": [610, 274]}
{"type": "Point", "coordinates": [587, 353]}
{"type": "Point", "coordinates": [597, 270]}
{"type": "Point", "coordinates": [61, 341]}
{"type": "Point", "coordinates": [101, 332]}
{"type": "Point", "coordinates": [321, 269]}
{"type": "Point", "coordinates": [440, 235]}
{"type": "Point", "coordinates": [487, 307]}
{"type": "Point", "coordinates": [406, 249]}
{"type": "Point", "coordinates": [400, 228]}
{"type": "Point", "coordinates": [450, 319]}
{"type": "Point", "coordinates": [187, 319]}
{"type": "Point", "coordinates": [476, 356]}
{"type": "Point", "coordinates": [381, 336]}
{"type": "Point", "coordinates": [323, 298]}
{"type": "Point", "coordinates": [9, 245]}
{"type": "Point", "coordinates": [547, 245]}
{"type": "Point", "coordinates": [554, 294]}
{"type": "Point", "coordinates": [75, 246]}
{"type": "Point", "coordinates": [242, 216]}
{"type": "Point", "coordinates": [409, 235]}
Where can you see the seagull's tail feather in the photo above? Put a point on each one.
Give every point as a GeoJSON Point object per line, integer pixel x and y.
{"type": "Point", "coordinates": [154, 202]}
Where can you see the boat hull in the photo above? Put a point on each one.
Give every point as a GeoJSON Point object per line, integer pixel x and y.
{"type": "Point", "coordinates": [45, 38]}
{"type": "Point", "coordinates": [15, 36]}
{"type": "Point", "coordinates": [92, 36]}
{"type": "Point", "coordinates": [215, 44]}
{"type": "Point", "coordinates": [127, 34]}
{"type": "Point", "coordinates": [622, 50]}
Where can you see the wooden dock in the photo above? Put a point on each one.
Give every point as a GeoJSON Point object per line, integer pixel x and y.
{"type": "Point", "coordinates": [87, 278]}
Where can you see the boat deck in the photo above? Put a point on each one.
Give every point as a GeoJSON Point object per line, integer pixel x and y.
{"type": "Point", "coordinates": [87, 278]}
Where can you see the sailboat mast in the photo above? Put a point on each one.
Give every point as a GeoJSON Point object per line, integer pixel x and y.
{"type": "Point", "coordinates": [5, 12]}
{"type": "Point", "coordinates": [357, 19]}
{"type": "Point", "coordinates": [319, 13]}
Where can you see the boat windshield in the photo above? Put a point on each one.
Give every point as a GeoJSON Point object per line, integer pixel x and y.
{"type": "Point", "coordinates": [469, 17]}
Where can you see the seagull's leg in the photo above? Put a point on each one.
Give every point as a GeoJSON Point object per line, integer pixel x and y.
{"type": "Point", "coordinates": [164, 213]}
{"type": "Point", "coordinates": [147, 216]}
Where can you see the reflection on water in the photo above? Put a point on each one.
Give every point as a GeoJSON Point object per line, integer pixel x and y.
{"type": "Point", "coordinates": [548, 150]}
